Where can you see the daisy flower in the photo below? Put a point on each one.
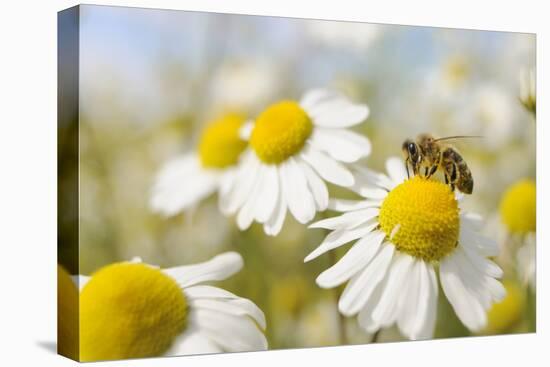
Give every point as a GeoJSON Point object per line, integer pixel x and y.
{"type": "Point", "coordinates": [261, 77]}
{"type": "Point", "coordinates": [518, 212]}
{"type": "Point", "coordinates": [190, 178]}
{"type": "Point", "coordinates": [294, 148]}
{"type": "Point", "coordinates": [407, 230]}
{"type": "Point", "coordinates": [135, 310]}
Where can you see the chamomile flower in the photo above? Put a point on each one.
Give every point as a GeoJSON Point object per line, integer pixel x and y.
{"type": "Point", "coordinates": [518, 212]}
{"type": "Point", "coordinates": [134, 310]}
{"type": "Point", "coordinates": [407, 230]}
{"type": "Point", "coordinates": [294, 148]}
{"type": "Point", "coordinates": [507, 314]}
{"type": "Point", "coordinates": [188, 179]}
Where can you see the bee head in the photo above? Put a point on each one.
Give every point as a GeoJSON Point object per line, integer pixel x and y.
{"type": "Point", "coordinates": [410, 150]}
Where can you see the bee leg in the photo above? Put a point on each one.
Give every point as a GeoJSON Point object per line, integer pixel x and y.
{"type": "Point", "coordinates": [446, 179]}
{"type": "Point", "coordinates": [407, 168]}
{"type": "Point", "coordinates": [426, 172]}
{"type": "Point", "coordinates": [453, 187]}
{"type": "Point", "coordinates": [432, 171]}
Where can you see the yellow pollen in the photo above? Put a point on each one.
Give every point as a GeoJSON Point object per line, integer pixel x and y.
{"type": "Point", "coordinates": [129, 310]}
{"type": "Point", "coordinates": [280, 132]}
{"type": "Point", "coordinates": [518, 207]}
{"type": "Point", "coordinates": [505, 315]}
{"type": "Point", "coordinates": [421, 218]}
{"type": "Point", "coordinates": [220, 144]}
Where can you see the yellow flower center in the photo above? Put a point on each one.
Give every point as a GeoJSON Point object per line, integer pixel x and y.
{"type": "Point", "coordinates": [67, 315]}
{"type": "Point", "coordinates": [220, 144]}
{"type": "Point", "coordinates": [505, 315]}
{"type": "Point", "coordinates": [518, 207]}
{"type": "Point", "coordinates": [421, 218]}
{"type": "Point", "coordinates": [280, 132]}
{"type": "Point", "coordinates": [129, 310]}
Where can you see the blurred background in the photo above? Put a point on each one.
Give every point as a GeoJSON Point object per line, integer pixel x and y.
{"type": "Point", "coordinates": [151, 79]}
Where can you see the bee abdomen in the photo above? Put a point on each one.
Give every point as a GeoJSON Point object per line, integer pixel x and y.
{"type": "Point", "coordinates": [464, 181]}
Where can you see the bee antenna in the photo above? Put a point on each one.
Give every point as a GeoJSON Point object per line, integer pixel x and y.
{"type": "Point", "coordinates": [460, 137]}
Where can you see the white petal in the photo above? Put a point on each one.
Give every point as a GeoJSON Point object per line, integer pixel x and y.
{"type": "Point", "coordinates": [396, 170]}
{"type": "Point", "coordinates": [232, 333]}
{"type": "Point", "coordinates": [227, 182]}
{"type": "Point", "coordinates": [294, 188]}
{"type": "Point", "coordinates": [413, 314]}
{"type": "Point", "coordinates": [361, 287]}
{"type": "Point", "coordinates": [208, 291]}
{"type": "Point", "coordinates": [261, 201]}
{"type": "Point", "coordinates": [369, 191]}
{"type": "Point", "coordinates": [267, 200]}
{"type": "Point", "coordinates": [339, 238]}
{"type": "Point", "coordinates": [329, 169]}
{"type": "Point", "coordinates": [476, 281]}
{"type": "Point", "coordinates": [244, 183]}
{"type": "Point", "coordinates": [365, 315]}
{"type": "Point", "coordinates": [343, 205]}
{"type": "Point", "coordinates": [316, 186]}
{"type": "Point", "coordinates": [481, 263]}
{"type": "Point", "coordinates": [409, 300]}
{"type": "Point", "coordinates": [248, 210]}
{"type": "Point", "coordinates": [387, 310]}
{"type": "Point", "coordinates": [477, 242]}
{"type": "Point", "coordinates": [364, 175]}
{"type": "Point", "coordinates": [192, 341]}
{"type": "Point", "coordinates": [358, 256]}
{"type": "Point", "coordinates": [473, 220]}
{"type": "Point", "coordinates": [426, 330]}
{"type": "Point", "coordinates": [218, 268]}
{"type": "Point", "coordinates": [181, 183]}
{"type": "Point", "coordinates": [348, 220]}
{"type": "Point", "coordinates": [246, 130]}
{"type": "Point", "coordinates": [274, 224]}
{"type": "Point", "coordinates": [342, 145]}
{"type": "Point", "coordinates": [334, 111]}
{"type": "Point", "coordinates": [315, 96]}
{"type": "Point", "coordinates": [237, 307]}
{"type": "Point", "coordinates": [468, 309]}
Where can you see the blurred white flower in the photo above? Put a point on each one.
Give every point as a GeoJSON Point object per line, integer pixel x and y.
{"type": "Point", "coordinates": [190, 178]}
{"type": "Point", "coordinates": [294, 148]}
{"type": "Point", "coordinates": [527, 90]}
{"type": "Point", "coordinates": [406, 230]}
{"type": "Point", "coordinates": [133, 310]}
{"type": "Point", "coordinates": [343, 34]}
{"type": "Point", "coordinates": [243, 86]}
{"type": "Point", "coordinates": [489, 111]}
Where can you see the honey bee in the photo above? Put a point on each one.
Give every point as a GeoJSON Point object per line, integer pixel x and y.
{"type": "Point", "coordinates": [430, 154]}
